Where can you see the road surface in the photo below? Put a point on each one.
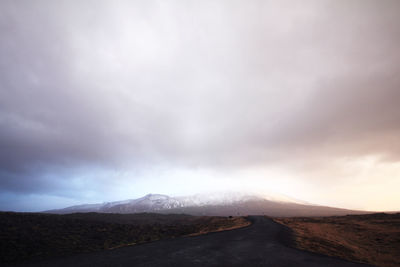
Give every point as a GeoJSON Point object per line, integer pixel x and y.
{"type": "Point", "coordinates": [260, 244]}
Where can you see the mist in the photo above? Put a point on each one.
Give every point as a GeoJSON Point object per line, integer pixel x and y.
{"type": "Point", "coordinates": [103, 101]}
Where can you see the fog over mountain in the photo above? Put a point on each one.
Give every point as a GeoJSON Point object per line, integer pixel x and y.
{"type": "Point", "coordinates": [107, 100]}
{"type": "Point", "coordinates": [218, 204]}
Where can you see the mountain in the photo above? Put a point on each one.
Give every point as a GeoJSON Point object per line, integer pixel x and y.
{"type": "Point", "coordinates": [216, 204]}
{"type": "Point", "coordinates": [148, 203]}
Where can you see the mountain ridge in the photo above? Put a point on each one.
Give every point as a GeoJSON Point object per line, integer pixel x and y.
{"type": "Point", "coordinates": [217, 204]}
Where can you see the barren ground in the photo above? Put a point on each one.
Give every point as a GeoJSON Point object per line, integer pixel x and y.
{"type": "Point", "coordinates": [373, 239]}
{"type": "Point", "coordinates": [33, 236]}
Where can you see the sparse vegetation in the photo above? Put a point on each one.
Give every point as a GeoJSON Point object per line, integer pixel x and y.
{"type": "Point", "coordinates": [29, 236]}
{"type": "Point", "coordinates": [373, 239]}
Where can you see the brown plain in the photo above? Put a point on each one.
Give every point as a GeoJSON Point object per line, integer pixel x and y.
{"type": "Point", "coordinates": [372, 239]}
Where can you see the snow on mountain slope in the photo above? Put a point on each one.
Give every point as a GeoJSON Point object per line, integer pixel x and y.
{"type": "Point", "coordinates": [148, 203]}
{"type": "Point", "coordinates": [219, 203]}
{"type": "Point", "coordinates": [157, 202]}
{"type": "Point", "coordinates": [217, 198]}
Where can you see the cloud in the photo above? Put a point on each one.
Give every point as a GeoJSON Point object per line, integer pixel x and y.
{"type": "Point", "coordinates": [100, 87]}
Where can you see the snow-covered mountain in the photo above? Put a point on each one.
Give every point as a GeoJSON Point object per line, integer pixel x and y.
{"type": "Point", "coordinates": [158, 202]}
{"type": "Point", "coordinates": [217, 198]}
{"type": "Point", "coordinates": [148, 203]}
{"type": "Point", "coordinates": [221, 203]}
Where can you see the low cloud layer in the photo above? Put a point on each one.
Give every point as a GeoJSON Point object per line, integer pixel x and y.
{"type": "Point", "coordinates": [98, 94]}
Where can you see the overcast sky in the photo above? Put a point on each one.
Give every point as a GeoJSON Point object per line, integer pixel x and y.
{"type": "Point", "coordinates": [109, 100]}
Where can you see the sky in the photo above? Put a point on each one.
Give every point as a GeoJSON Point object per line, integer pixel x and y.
{"type": "Point", "coordinates": [111, 100]}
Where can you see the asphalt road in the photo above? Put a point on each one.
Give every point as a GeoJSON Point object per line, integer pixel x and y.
{"type": "Point", "coordinates": [260, 244]}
